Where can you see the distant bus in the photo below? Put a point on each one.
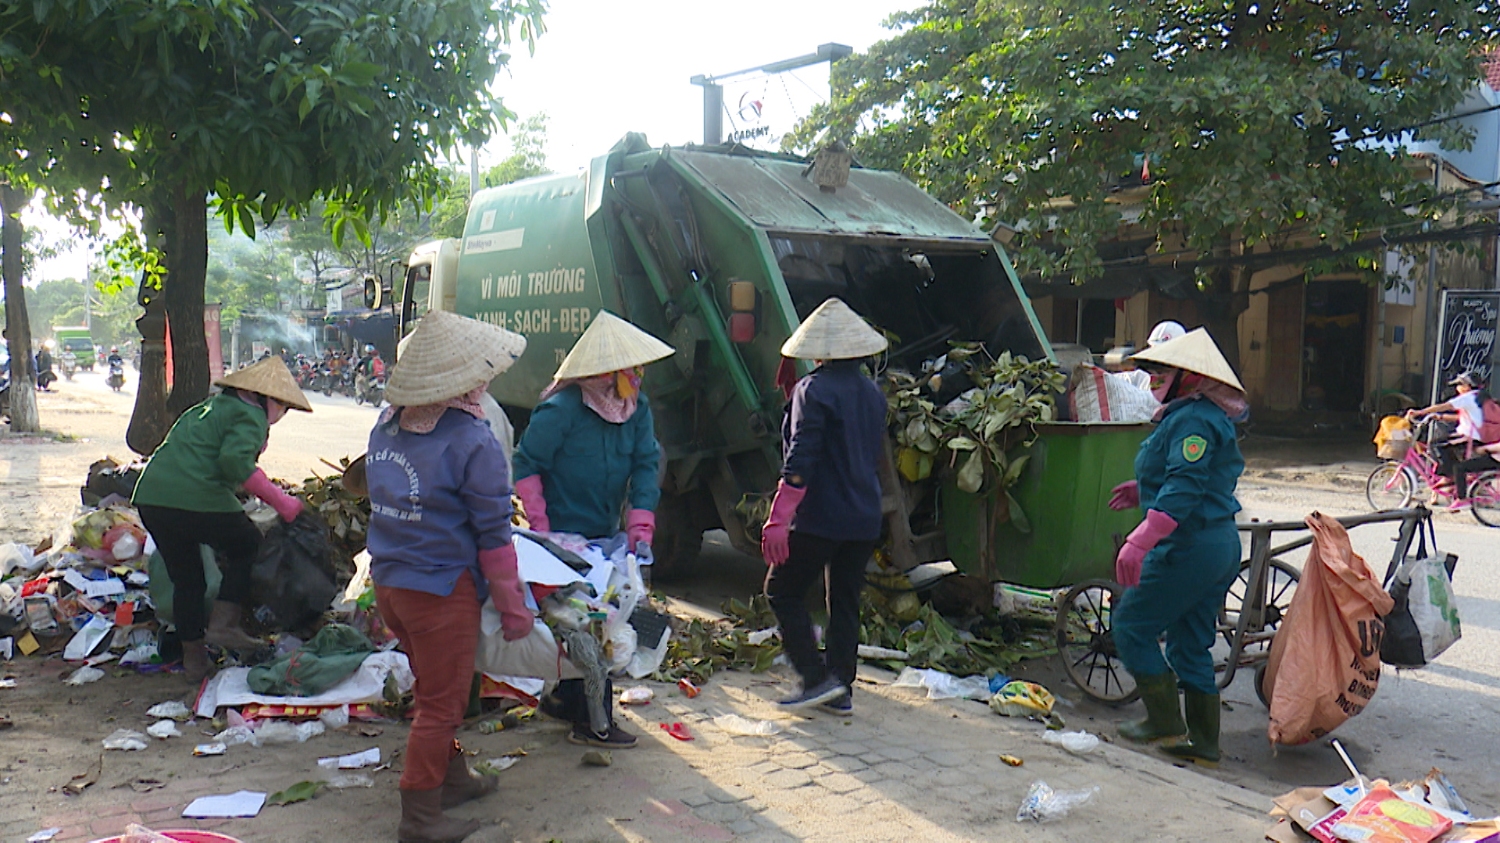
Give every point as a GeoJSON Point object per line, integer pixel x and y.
{"type": "Point", "coordinates": [78, 341]}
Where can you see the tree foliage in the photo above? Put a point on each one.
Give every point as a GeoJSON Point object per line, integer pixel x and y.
{"type": "Point", "coordinates": [1258, 122]}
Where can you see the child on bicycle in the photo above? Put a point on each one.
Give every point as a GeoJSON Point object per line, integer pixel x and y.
{"type": "Point", "coordinates": [1467, 412]}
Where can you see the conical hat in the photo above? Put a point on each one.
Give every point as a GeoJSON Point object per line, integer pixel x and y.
{"type": "Point", "coordinates": [609, 345]}
{"type": "Point", "coordinates": [833, 332]}
{"type": "Point", "coordinates": [448, 355]}
{"type": "Point", "coordinates": [270, 378]}
{"type": "Point", "coordinates": [1194, 351]}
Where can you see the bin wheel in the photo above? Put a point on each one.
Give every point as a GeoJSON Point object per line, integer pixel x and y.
{"type": "Point", "coordinates": [1085, 642]}
{"type": "Point", "coordinates": [1281, 584]}
{"type": "Point", "coordinates": [1260, 684]}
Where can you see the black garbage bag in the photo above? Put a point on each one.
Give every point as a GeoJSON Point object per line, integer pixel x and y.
{"type": "Point", "coordinates": [294, 576]}
{"type": "Point", "coordinates": [109, 478]}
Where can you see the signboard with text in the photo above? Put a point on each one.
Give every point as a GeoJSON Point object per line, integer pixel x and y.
{"type": "Point", "coordinates": [1466, 337]}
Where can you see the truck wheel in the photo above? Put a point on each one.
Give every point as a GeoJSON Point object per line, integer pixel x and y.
{"type": "Point", "coordinates": [679, 537]}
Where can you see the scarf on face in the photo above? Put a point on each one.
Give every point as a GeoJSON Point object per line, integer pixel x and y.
{"type": "Point", "coordinates": [1192, 386]}
{"type": "Point", "coordinates": [612, 396]}
{"type": "Point", "coordinates": [424, 418]}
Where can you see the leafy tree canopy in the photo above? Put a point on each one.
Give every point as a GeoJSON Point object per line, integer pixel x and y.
{"type": "Point", "coordinates": [1257, 121]}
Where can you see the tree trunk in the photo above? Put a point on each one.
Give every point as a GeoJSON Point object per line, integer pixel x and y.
{"type": "Point", "coordinates": [23, 414]}
{"type": "Point", "coordinates": [150, 421]}
{"type": "Point", "coordinates": [1229, 296]}
{"type": "Point", "coordinates": [187, 272]}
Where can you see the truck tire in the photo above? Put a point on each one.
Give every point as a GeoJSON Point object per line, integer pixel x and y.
{"type": "Point", "coordinates": [679, 536]}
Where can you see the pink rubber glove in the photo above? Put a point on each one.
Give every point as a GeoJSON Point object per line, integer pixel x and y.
{"type": "Point", "coordinates": [259, 485]}
{"type": "Point", "coordinates": [640, 526]}
{"type": "Point", "coordinates": [529, 490]}
{"type": "Point", "coordinates": [499, 567]}
{"type": "Point", "coordinates": [775, 537]}
{"type": "Point", "coordinates": [1157, 526]}
{"type": "Point", "coordinates": [1127, 495]}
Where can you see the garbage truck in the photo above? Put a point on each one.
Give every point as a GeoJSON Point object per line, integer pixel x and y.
{"type": "Point", "coordinates": [720, 251]}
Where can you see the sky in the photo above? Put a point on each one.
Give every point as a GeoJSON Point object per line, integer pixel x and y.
{"type": "Point", "coordinates": [604, 68]}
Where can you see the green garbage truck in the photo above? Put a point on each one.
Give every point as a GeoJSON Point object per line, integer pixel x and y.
{"type": "Point", "coordinates": [80, 342]}
{"type": "Point", "coordinates": [720, 251]}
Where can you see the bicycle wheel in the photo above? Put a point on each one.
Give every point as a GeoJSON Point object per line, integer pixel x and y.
{"type": "Point", "coordinates": [1390, 486]}
{"type": "Point", "coordinates": [1281, 584]}
{"type": "Point", "coordinates": [1484, 495]}
{"type": "Point", "coordinates": [1085, 642]}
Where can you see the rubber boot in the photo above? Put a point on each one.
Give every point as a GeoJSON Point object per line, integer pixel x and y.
{"type": "Point", "coordinates": [462, 784]}
{"type": "Point", "coordinates": [224, 628]}
{"type": "Point", "coordinates": [1202, 744]}
{"type": "Point", "coordinates": [195, 662]}
{"type": "Point", "coordinates": [1163, 714]}
{"type": "Point", "coordinates": [423, 820]}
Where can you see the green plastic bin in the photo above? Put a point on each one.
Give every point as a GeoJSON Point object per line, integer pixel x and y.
{"type": "Point", "coordinates": [1065, 494]}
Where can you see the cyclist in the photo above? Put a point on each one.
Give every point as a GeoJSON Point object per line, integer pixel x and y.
{"type": "Point", "coordinates": [1463, 419]}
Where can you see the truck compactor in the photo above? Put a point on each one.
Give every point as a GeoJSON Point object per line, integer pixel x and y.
{"type": "Point", "coordinates": [720, 251]}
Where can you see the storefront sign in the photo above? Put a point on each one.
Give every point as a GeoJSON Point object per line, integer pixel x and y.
{"type": "Point", "coordinates": [1466, 337]}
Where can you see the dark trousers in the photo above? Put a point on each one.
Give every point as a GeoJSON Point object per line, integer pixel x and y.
{"type": "Point", "coordinates": [178, 533]}
{"type": "Point", "coordinates": [570, 701]}
{"type": "Point", "coordinates": [1477, 465]}
{"type": "Point", "coordinates": [841, 565]}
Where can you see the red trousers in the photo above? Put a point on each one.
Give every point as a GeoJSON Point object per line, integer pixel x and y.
{"type": "Point", "coordinates": [440, 636]}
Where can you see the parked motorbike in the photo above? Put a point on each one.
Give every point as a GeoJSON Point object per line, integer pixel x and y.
{"type": "Point", "coordinates": [116, 378]}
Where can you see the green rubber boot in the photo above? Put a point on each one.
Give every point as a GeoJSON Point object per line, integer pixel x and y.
{"type": "Point", "coordinates": [1163, 714]}
{"type": "Point", "coordinates": [1202, 744]}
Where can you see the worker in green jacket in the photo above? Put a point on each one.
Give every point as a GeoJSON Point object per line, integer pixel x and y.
{"type": "Point", "coordinates": [590, 448]}
{"type": "Point", "coordinates": [187, 496]}
{"type": "Point", "coordinates": [1183, 558]}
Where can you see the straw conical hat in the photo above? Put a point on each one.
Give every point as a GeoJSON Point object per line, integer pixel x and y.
{"type": "Point", "coordinates": [448, 355]}
{"type": "Point", "coordinates": [609, 345]}
{"type": "Point", "coordinates": [1194, 351]}
{"type": "Point", "coordinates": [833, 332]}
{"type": "Point", "coordinates": [270, 378]}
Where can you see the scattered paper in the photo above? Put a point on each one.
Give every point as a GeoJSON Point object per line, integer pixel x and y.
{"type": "Point", "coordinates": [7, 648]}
{"type": "Point", "coordinates": [27, 644]}
{"type": "Point", "coordinates": [761, 636]}
{"type": "Point", "coordinates": [125, 739]}
{"type": "Point", "coordinates": [170, 710]}
{"type": "Point", "coordinates": [163, 729]}
{"type": "Point", "coordinates": [496, 765]}
{"type": "Point", "coordinates": [102, 658]}
{"type": "Point", "coordinates": [354, 761]}
{"type": "Point", "coordinates": [7, 683]}
{"type": "Point", "coordinates": [93, 588]}
{"type": "Point", "coordinates": [44, 835]}
{"type": "Point", "coordinates": [88, 638]}
{"type": "Point", "coordinates": [138, 578]}
{"type": "Point", "coordinates": [204, 749]}
{"type": "Point", "coordinates": [244, 803]}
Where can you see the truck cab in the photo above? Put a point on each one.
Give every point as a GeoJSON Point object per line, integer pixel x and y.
{"type": "Point", "coordinates": [721, 252]}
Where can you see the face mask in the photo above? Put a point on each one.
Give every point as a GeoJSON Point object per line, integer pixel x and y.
{"type": "Point", "coordinates": [1162, 382]}
{"type": "Point", "coordinates": [274, 410]}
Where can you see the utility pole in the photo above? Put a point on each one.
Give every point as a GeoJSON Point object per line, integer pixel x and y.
{"type": "Point", "coordinates": [713, 91]}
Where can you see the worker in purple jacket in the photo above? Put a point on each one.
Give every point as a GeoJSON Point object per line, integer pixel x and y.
{"type": "Point", "coordinates": [826, 515]}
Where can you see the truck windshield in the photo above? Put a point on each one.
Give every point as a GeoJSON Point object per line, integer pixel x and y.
{"type": "Point", "coordinates": [414, 298]}
{"type": "Point", "coordinates": [926, 295]}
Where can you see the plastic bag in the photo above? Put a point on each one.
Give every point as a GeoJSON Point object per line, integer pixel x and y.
{"type": "Point", "coordinates": [1078, 743]}
{"type": "Point", "coordinates": [125, 739]}
{"type": "Point", "coordinates": [1043, 804]}
{"type": "Point", "coordinates": [236, 735]}
{"type": "Point", "coordinates": [1325, 659]}
{"type": "Point", "coordinates": [1424, 621]}
{"type": "Point", "coordinates": [639, 695]}
{"type": "Point", "coordinates": [1095, 395]}
{"type": "Point", "coordinates": [1023, 699]}
{"type": "Point", "coordinates": [163, 729]}
{"type": "Point", "coordinates": [85, 675]}
{"type": "Point", "coordinates": [294, 575]}
{"type": "Point", "coordinates": [18, 557]}
{"type": "Point", "coordinates": [335, 718]}
{"type": "Point", "coordinates": [170, 710]}
{"type": "Point", "coordinates": [944, 686]}
{"type": "Point", "coordinates": [280, 731]}
{"type": "Point", "coordinates": [744, 727]}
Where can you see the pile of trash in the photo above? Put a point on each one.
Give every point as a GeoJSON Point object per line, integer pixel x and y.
{"type": "Point", "coordinates": [1421, 811]}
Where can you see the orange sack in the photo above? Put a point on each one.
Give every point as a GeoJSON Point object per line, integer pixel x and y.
{"type": "Point", "coordinates": [1325, 659]}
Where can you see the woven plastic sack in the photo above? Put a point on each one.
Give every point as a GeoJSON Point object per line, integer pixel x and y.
{"type": "Point", "coordinates": [1325, 660]}
{"type": "Point", "coordinates": [1099, 396]}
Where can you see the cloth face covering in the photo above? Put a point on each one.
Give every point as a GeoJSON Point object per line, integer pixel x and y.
{"type": "Point", "coordinates": [424, 418]}
{"type": "Point", "coordinates": [612, 395]}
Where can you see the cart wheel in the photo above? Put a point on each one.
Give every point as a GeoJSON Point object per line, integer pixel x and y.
{"type": "Point", "coordinates": [1260, 684]}
{"type": "Point", "coordinates": [1281, 584]}
{"type": "Point", "coordinates": [1390, 486]}
{"type": "Point", "coordinates": [1085, 642]}
{"type": "Point", "coordinates": [1485, 494]}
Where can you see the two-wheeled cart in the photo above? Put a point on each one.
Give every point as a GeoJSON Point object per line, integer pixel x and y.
{"type": "Point", "coordinates": [1253, 609]}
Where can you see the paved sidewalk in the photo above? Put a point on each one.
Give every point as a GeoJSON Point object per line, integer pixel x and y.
{"type": "Point", "coordinates": [903, 769]}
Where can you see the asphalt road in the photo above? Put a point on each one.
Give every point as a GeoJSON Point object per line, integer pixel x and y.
{"type": "Point", "coordinates": [1442, 716]}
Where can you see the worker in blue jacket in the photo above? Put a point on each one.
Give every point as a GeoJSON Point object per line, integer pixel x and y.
{"type": "Point", "coordinates": [1180, 562]}
{"type": "Point", "coordinates": [826, 516]}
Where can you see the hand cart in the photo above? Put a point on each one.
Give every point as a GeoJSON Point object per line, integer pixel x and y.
{"type": "Point", "coordinates": [1253, 609]}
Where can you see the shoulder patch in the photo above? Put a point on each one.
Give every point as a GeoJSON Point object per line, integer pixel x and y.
{"type": "Point", "coordinates": [1194, 447]}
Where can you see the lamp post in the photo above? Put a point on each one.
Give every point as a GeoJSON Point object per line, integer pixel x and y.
{"type": "Point", "coordinates": [713, 90]}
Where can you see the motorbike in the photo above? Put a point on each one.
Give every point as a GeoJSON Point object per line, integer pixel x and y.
{"type": "Point", "coordinates": [116, 378]}
{"type": "Point", "coordinates": [369, 390]}
{"type": "Point", "coordinates": [69, 366]}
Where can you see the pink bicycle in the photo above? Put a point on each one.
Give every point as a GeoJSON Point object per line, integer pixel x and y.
{"type": "Point", "coordinates": [1394, 484]}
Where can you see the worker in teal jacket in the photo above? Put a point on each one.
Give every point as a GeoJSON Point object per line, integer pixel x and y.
{"type": "Point", "coordinates": [1180, 562]}
{"type": "Point", "coordinates": [589, 448]}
